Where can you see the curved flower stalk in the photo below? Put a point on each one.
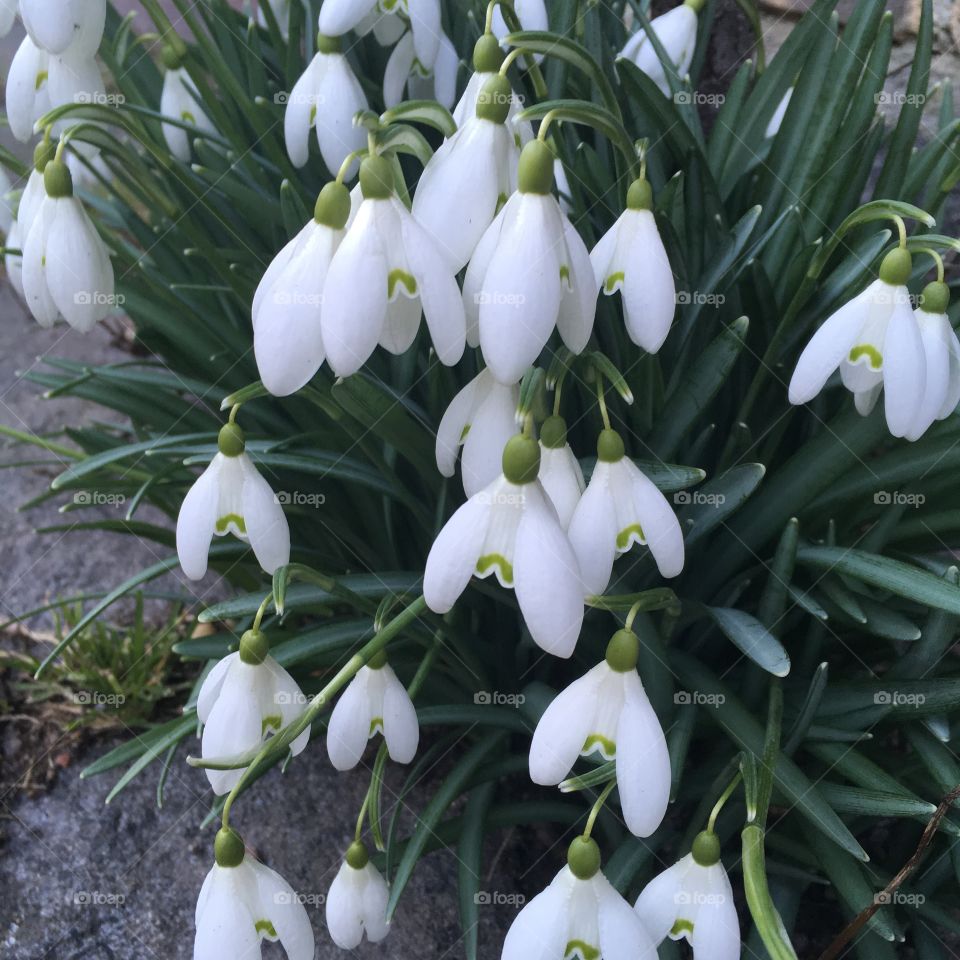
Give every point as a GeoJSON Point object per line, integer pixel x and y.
{"type": "Point", "coordinates": [178, 99]}
{"type": "Point", "coordinates": [59, 26]}
{"type": "Point", "coordinates": [941, 350]}
{"type": "Point", "coordinates": [66, 267]}
{"type": "Point", "coordinates": [230, 496]}
{"type": "Point", "coordinates": [470, 176]}
{"type": "Point", "coordinates": [622, 507]}
{"type": "Point", "coordinates": [385, 273]}
{"type": "Point", "coordinates": [326, 98]}
{"type": "Point", "coordinates": [579, 914]}
{"type": "Point", "coordinates": [357, 901]}
{"type": "Point", "coordinates": [511, 529]}
{"type": "Point", "coordinates": [405, 70]}
{"type": "Point", "coordinates": [875, 341]}
{"type": "Point", "coordinates": [374, 701]}
{"type": "Point", "coordinates": [242, 902]}
{"type": "Point", "coordinates": [481, 419]}
{"type": "Point", "coordinates": [246, 697]}
{"type": "Point", "coordinates": [677, 32]}
{"type": "Point", "coordinates": [693, 900]}
{"type": "Point", "coordinates": [560, 472]}
{"type": "Point", "coordinates": [631, 258]}
{"type": "Point", "coordinates": [607, 711]}
{"type": "Point", "coordinates": [529, 273]}
{"type": "Point", "coordinates": [532, 15]}
{"type": "Point", "coordinates": [288, 303]}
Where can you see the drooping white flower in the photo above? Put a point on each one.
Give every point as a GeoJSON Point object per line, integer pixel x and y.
{"type": "Point", "coordinates": [244, 698]}
{"type": "Point", "coordinates": [773, 127]}
{"type": "Point", "coordinates": [875, 341]}
{"type": "Point", "coordinates": [532, 15]}
{"type": "Point", "coordinates": [405, 70]}
{"type": "Point", "coordinates": [607, 711]}
{"type": "Point", "coordinates": [560, 473]}
{"type": "Point", "coordinates": [631, 258]}
{"type": "Point", "coordinates": [511, 529]}
{"type": "Point", "coordinates": [693, 899]}
{"type": "Point", "coordinates": [374, 701]}
{"type": "Point", "coordinates": [66, 268]}
{"type": "Point", "coordinates": [242, 902]}
{"type": "Point", "coordinates": [677, 32]}
{"type": "Point", "coordinates": [357, 901]}
{"type": "Point", "coordinates": [60, 25]}
{"type": "Point", "coordinates": [8, 13]}
{"type": "Point", "coordinates": [31, 197]}
{"type": "Point", "coordinates": [385, 273]}
{"type": "Point", "coordinates": [179, 100]}
{"type": "Point", "coordinates": [231, 496]}
{"type": "Point", "coordinates": [288, 303]}
{"type": "Point", "coordinates": [481, 418]}
{"type": "Point", "coordinates": [579, 914]}
{"type": "Point", "coordinates": [326, 97]}
{"type": "Point", "coordinates": [529, 273]}
{"type": "Point", "coordinates": [470, 176]}
{"type": "Point", "coordinates": [622, 507]}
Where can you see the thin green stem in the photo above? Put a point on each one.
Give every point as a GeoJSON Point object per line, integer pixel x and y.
{"type": "Point", "coordinates": [718, 806]}
{"type": "Point", "coordinates": [901, 230]}
{"type": "Point", "coordinates": [261, 611]}
{"type": "Point", "coordinates": [603, 403]}
{"type": "Point", "coordinates": [363, 812]}
{"type": "Point", "coordinates": [632, 615]}
{"type": "Point", "coordinates": [545, 125]}
{"type": "Point", "coordinates": [937, 259]}
{"type": "Point", "coordinates": [345, 166]}
{"type": "Point", "coordinates": [598, 805]}
{"type": "Point", "coordinates": [234, 410]}
{"type": "Point", "coordinates": [509, 60]}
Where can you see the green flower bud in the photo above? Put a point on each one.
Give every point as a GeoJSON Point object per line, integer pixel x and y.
{"type": "Point", "coordinates": [376, 178]}
{"type": "Point", "coordinates": [332, 208]}
{"type": "Point", "coordinates": [57, 180]}
{"type": "Point", "coordinates": [327, 44]}
{"type": "Point", "coordinates": [535, 173]}
{"type": "Point", "coordinates": [553, 433]}
{"type": "Point", "coordinates": [43, 153]}
{"type": "Point", "coordinates": [487, 55]}
{"type": "Point", "coordinates": [254, 647]}
{"type": "Point", "coordinates": [172, 57]}
{"type": "Point", "coordinates": [228, 848]}
{"type": "Point", "coordinates": [357, 856]}
{"type": "Point", "coordinates": [640, 195]}
{"type": "Point", "coordinates": [935, 297]}
{"type": "Point", "coordinates": [896, 267]}
{"type": "Point", "coordinates": [521, 459]}
{"type": "Point", "coordinates": [610, 447]}
{"type": "Point", "coordinates": [493, 103]}
{"type": "Point", "coordinates": [378, 661]}
{"type": "Point", "coordinates": [230, 440]}
{"type": "Point", "coordinates": [583, 858]}
{"type": "Point", "coordinates": [623, 651]}
{"type": "Point", "coordinates": [706, 848]}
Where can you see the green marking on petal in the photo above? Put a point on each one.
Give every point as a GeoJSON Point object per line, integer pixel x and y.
{"type": "Point", "coordinates": [501, 200]}
{"type": "Point", "coordinates": [40, 80]}
{"type": "Point", "coordinates": [464, 432]}
{"type": "Point", "coordinates": [681, 927]}
{"type": "Point", "coordinates": [565, 273]}
{"type": "Point", "coordinates": [273, 721]}
{"type": "Point", "coordinates": [574, 947]}
{"type": "Point", "coordinates": [608, 747]}
{"type": "Point", "coordinates": [874, 356]}
{"type": "Point", "coordinates": [623, 537]}
{"type": "Point", "coordinates": [223, 523]}
{"type": "Point", "coordinates": [266, 927]}
{"type": "Point", "coordinates": [496, 560]}
{"type": "Point", "coordinates": [613, 280]}
{"type": "Point", "coordinates": [187, 117]}
{"type": "Point", "coordinates": [313, 114]}
{"type": "Point", "coordinates": [518, 141]}
{"type": "Point", "coordinates": [375, 724]}
{"type": "Point", "coordinates": [401, 276]}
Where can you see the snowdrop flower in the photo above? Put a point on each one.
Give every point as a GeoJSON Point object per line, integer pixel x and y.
{"type": "Point", "coordinates": [385, 273]}
{"type": "Point", "coordinates": [357, 901]}
{"type": "Point", "coordinates": [326, 97]}
{"type": "Point", "coordinates": [8, 13]}
{"type": "Point", "coordinates": [677, 32]}
{"type": "Point", "coordinates": [375, 700]}
{"type": "Point", "coordinates": [245, 697]}
{"type": "Point", "coordinates": [243, 902]}
{"type": "Point", "coordinates": [529, 273]}
{"type": "Point", "coordinates": [875, 341]}
{"type": "Point", "coordinates": [60, 25]}
{"type": "Point", "coordinates": [469, 178]}
{"type": "Point", "coordinates": [481, 418]}
{"type": "Point", "coordinates": [631, 258]}
{"type": "Point", "coordinates": [27, 95]}
{"type": "Point", "coordinates": [693, 899]}
{"type": "Point", "coordinates": [230, 496]}
{"type": "Point", "coordinates": [31, 197]}
{"type": "Point", "coordinates": [287, 305]}
{"type": "Point", "coordinates": [942, 352]}
{"type": "Point", "coordinates": [773, 127]}
{"type": "Point", "coordinates": [436, 81]}
{"type": "Point", "coordinates": [511, 529]}
{"type": "Point", "coordinates": [560, 473]}
{"type": "Point", "coordinates": [607, 711]}
{"type": "Point", "coordinates": [579, 914]}
{"type": "Point", "coordinates": [179, 100]}
{"type": "Point", "coordinates": [66, 268]}
{"type": "Point", "coordinates": [622, 507]}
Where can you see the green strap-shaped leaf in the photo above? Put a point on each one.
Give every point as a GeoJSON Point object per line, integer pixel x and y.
{"type": "Point", "coordinates": [428, 112]}
{"type": "Point", "coordinates": [752, 638]}
{"type": "Point", "coordinates": [469, 864]}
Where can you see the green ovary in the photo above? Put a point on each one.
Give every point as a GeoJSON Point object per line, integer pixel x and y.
{"type": "Point", "coordinates": [623, 537]}
{"type": "Point", "coordinates": [496, 560]}
{"type": "Point", "coordinates": [401, 276]}
{"type": "Point", "coordinates": [873, 355]}
{"type": "Point", "coordinates": [613, 280]}
{"type": "Point", "coordinates": [223, 523]}
{"type": "Point", "coordinates": [574, 947]}
{"type": "Point", "coordinates": [595, 740]}
{"type": "Point", "coordinates": [266, 927]}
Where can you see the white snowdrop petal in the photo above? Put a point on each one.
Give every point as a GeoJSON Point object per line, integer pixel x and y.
{"type": "Point", "coordinates": [716, 933]}
{"type": "Point", "coordinates": [197, 520]}
{"type": "Point", "coordinates": [578, 306]}
{"type": "Point", "coordinates": [74, 79]}
{"type": "Point", "coordinates": [953, 388]}
{"type": "Point", "coordinates": [476, 271]}
{"type": "Point", "coordinates": [299, 114]}
{"type": "Point", "coordinates": [622, 934]}
{"type": "Point", "coordinates": [934, 333]}
{"type": "Point", "coordinates": [397, 71]}
{"type": "Point", "coordinates": [904, 376]}
{"type": "Point", "coordinates": [339, 16]}
{"type": "Point", "coordinates": [601, 256]}
{"type": "Point", "coordinates": [344, 909]}
{"type": "Point", "coordinates": [263, 516]}
{"type": "Point", "coordinates": [287, 700]}
{"type": "Point", "coordinates": [225, 928]}
{"type": "Point", "coordinates": [340, 98]}
{"type": "Point", "coordinates": [212, 684]}
{"type": "Point", "coordinates": [649, 292]}
{"type": "Point", "coordinates": [400, 727]}
{"type": "Point", "coordinates": [454, 554]}
{"type": "Point", "coordinates": [539, 932]}
{"type": "Point", "coordinates": [33, 272]}
{"type": "Point", "coordinates": [661, 529]}
{"type": "Point", "coordinates": [593, 532]}
{"type": "Point", "coordinates": [349, 728]}
{"type": "Point", "coordinates": [453, 423]}
{"type": "Point", "coordinates": [375, 897]}
{"type": "Point", "coordinates": [280, 905]}
{"type": "Point", "coordinates": [445, 70]}
{"type": "Point", "coordinates": [657, 905]}
{"type": "Point", "coordinates": [562, 480]}
{"type": "Point", "coordinates": [493, 424]}
{"type": "Point", "coordinates": [234, 726]}
{"type": "Point", "coordinates": [425, 26]}
{"type": "Point", "coordinates": [562, 730]}
{"type": "Point", "coordinates": [25, 79]}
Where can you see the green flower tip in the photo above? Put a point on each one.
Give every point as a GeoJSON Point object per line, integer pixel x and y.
{"type": "Point", "coordinates": [487, 55]}
{"type": "Point", "coordinates": [228, 848]}
{"type": "Point", "coordinates": [376, 178]}
{"type": "Point", "coordinates": [327, 44]}
{"type": "Point", "coordinates": [583, 858]}
{"type": "Point", "coordinates": [623, 651]}
{"type": "Point", "coordinates": [935, 297]}
{"type": "Point", "coordinates": [332, 208]}
{"type": "Point", "coordinates": [493, 102]}
{"type": "Point", "coordinates": [521, 459]}
{"type": "Point", "coordinates": [172, 56]}
{"type": "Point", "coordinates": [706, 848]}
{"type": "Point", "coordinates": [640, 195]}
{"type": "Point", "coordinates": [254, 647]}
{"type": "Point", "coordinates": [610, 447]}
{"type": "Point", "coordinates": [378, 661]}
{"type": "Point", "coordinates": [57, 180]}
{"type": "Point", "coordinates": [357, 856]}
{"type": "Point", "coordinates": [535, 173]}
{"type": "Point", "coordinates": [230, 440]}
{"type": "Point", "coordinates": [43, 153]}
{"type": "Point", "coordinates": [553, 433]}
{"type": "Point", "coordinates": [896, 267]}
